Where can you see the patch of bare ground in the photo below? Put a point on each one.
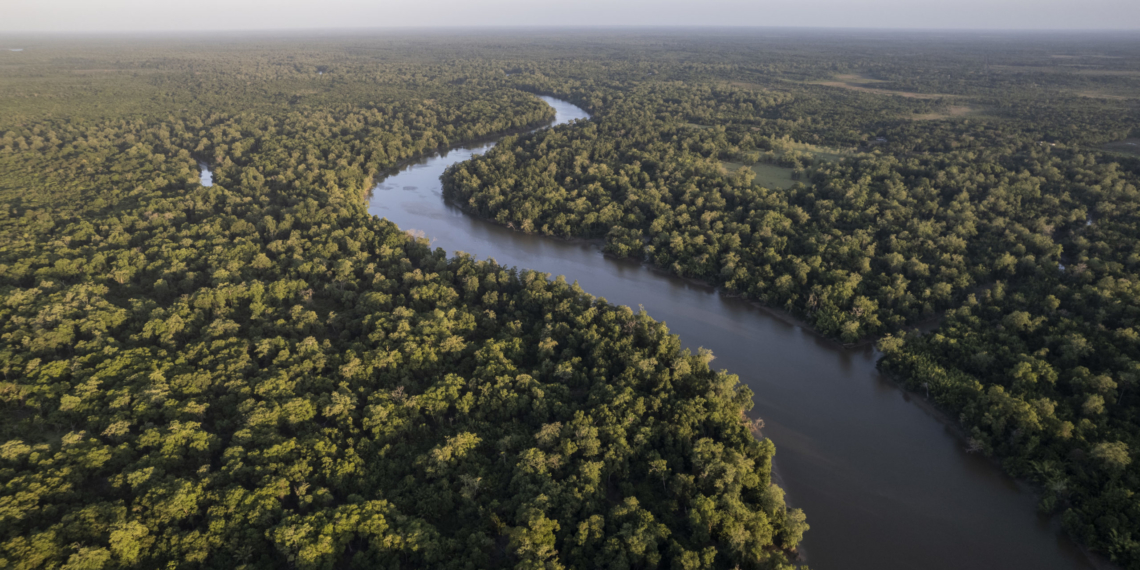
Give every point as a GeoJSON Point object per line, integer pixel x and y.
{"type": "Point", "coordinates": [867, 85]}
{"type": "Point", "coordinates": [856, 78]}
{"type": "Point", "coordinates": [1075, 69]}
{"type": "Point", "coordinates": [748, 85]}
{"type": "Point", "coordinates": [951, 112]}
{"type": "Point", "coordinates": [100, 71]}
{"type": "Point", "coordinates": [1092, 94]}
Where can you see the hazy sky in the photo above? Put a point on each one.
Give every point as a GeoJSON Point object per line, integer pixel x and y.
{"type": "Point", "coordinates": [163, 15]}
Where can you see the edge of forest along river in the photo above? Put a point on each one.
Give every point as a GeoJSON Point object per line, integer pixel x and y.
{"type": "Point", "coordinates": [926, 406]}
{"type": "Point", "coordinates": [428, 152]}
{"type": "Point", "coordinates": [944, 417]}
{"type": "Point", "coordinates": [776, 312]}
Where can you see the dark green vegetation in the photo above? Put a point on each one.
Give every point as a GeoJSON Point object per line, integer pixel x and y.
{"type": "Point", "coordinates": [1012, 219]}
{"type": "Point", "coordinates": [261, 375]}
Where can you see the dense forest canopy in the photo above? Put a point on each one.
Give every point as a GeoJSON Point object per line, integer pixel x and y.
{"type": "Point", "coordinates": [987, 189]}
{"type": "Point", "coordinates": [260, 374]}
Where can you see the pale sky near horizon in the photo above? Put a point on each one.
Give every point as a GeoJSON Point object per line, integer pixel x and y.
{"type": "Point", "coordinates": [158, 15]}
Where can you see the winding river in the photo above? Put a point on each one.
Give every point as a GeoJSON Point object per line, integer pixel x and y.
{"type": "Point", "coordinates": [885, 484]}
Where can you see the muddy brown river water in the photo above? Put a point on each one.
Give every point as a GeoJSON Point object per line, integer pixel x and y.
{"type": "Point", "coordinates": [885, 484]}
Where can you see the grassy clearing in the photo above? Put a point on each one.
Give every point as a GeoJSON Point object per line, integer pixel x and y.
{"type": "Point", "coordinates": [749, 85]}
{"type": "Point", "coordinates": [1126, 146]}
{"type": "Point", "coordinates": [951, 112]}
{"type": "Point", "coordinates": [767, 175]}
{"type": "Point", "coordinates": [867, 85]}
{"type": "Point", "coordinates": [1074, 69]}
{"type": "Point", "coordinates": [857, 79]}
{"type": "Point", "coordinates": [1100, 94]}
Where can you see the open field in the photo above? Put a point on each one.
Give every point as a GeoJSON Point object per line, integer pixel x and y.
{"type": "Point", "coordinates": [857, 79]}
{"type": "Point", "coordinates": [1100, 94]}
{"type": "Point", "coordinates": [1067, 68]}
{"type": "Point", "coordinates": [866, 85]}
{"type": "Point", "coordinates": [767, 175]}
{"type": "Point", "coordinates": [951, 112]}
{"type": "Point", "coordinates": [1126, 146]}
{"type": "Point", "coordinates": [750, 85]}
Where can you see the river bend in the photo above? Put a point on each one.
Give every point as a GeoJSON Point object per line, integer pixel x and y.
{"type": "Point", "coordinates": [884, 483]}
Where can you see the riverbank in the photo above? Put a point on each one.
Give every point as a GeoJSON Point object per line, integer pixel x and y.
{"type": "Point", "coordinates": [381, 175]}
{"type": "Point", "coordinates": [941, 416]}
{"type": "Point", "coordinates": [958, 431]}
{"type": "Point", "coordinates": [870, 468]}
{"type": "Point", "coordinates": [781, 314]}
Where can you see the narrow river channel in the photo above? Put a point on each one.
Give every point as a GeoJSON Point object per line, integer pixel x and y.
{"type": "Point", "coordinates": [885, 485]}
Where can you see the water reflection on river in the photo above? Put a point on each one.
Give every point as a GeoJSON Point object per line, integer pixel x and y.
{"type": "Point", "coordinates": [884, 484]}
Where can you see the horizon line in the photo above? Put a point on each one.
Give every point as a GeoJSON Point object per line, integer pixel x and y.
{"type": "Point", "coordinates": [549, 27]}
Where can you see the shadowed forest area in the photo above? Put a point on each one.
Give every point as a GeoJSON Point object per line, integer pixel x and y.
{"type": "Point", "coordinates": [260, 374]}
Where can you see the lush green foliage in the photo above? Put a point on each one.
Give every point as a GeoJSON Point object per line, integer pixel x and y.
{"type": "Point", "coordinates": [1043, 370]}
{"type": "Point", "coordinates": [259, 374]}
{"type": "Point", "coordinates": [863, 246]}
{"type": "Point", "coordinates": [1008, 217]}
